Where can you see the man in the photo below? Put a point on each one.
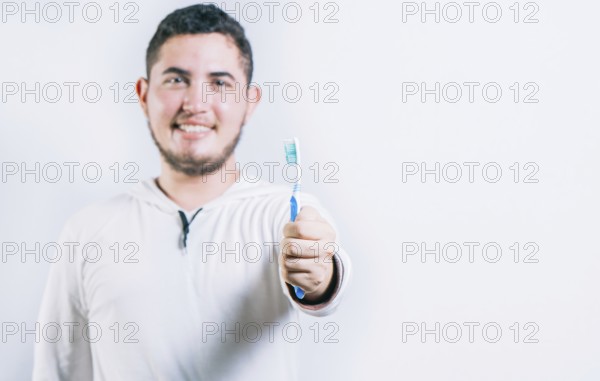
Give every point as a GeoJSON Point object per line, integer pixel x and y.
{"type": "Point", "coordinates": [189, 276]}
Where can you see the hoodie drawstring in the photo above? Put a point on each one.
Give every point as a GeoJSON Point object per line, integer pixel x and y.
{"type": "Point", "coordinates": [186, 225]}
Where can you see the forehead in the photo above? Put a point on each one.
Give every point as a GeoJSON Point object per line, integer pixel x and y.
{"type": "Point", "coordinates": [195, 52]}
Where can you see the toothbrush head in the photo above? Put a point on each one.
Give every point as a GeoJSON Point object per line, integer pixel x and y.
{"type": "Point", "coordinates": [292, 151]}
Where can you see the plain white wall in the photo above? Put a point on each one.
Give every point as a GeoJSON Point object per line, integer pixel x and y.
{"type": "Point", "coordinates": [369, 53]}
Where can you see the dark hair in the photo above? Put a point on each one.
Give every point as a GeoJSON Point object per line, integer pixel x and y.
{"type": "Point", "coordinates": [197, 19]}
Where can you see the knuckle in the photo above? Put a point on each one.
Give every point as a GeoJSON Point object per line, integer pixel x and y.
{"type": "Point", "coordinates": [295, 249]}
{"type": "Point", "coordinates": [287, 228]}
{"type": "Point", "coordinates": [327, 247]}
{"type": "Point", "coordinates": [315, 283]}
{"type": "Point", "coordinates": [284, 272]}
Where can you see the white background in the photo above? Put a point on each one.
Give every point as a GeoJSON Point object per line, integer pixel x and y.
{"type": "Point", "coordinates": [369, 53]}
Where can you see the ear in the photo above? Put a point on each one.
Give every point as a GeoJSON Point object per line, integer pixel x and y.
{"type": "Point", "coordinates": [141, 88]}
{"type": "Point", "coordinates": [253, 96]}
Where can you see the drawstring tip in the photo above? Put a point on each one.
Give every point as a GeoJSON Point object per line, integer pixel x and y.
{"type": "Point", "coordinates": [186, 227]}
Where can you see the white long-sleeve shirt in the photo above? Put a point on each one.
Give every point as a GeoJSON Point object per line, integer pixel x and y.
{"type": "Point", "coordinates": [127, 301]}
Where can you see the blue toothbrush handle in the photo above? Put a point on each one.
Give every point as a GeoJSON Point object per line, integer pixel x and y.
{"type": "Point", "coordinates": [293, 213]}
{"type": "Point", "coordinates": [293, 208]}
{"type": "Point", "coordinates": [299, 292]}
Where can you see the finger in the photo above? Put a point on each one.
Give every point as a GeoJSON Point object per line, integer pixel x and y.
{"type": "Point", "coordinates": [308, 281]}
{"type": "Point", "coordinates": [300, 280]}
{"type": "Point", "coordinates": [301, 248]}
{"type": "Point", "coordinates": [308, 213]}
{"type": "Point", "coordinates": [302, 264]}
{"type": "Point", "coordinates": [298, 265]}
{"type": "Point", "coordinates": [306, 248]}
{"type": "Point", "coordinates": [311, 230]}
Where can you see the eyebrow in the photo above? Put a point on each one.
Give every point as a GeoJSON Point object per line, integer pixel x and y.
{"type": "Point", "coordinates": [222, 74]}
{"type": "Point", "coordinates": [177, 70]}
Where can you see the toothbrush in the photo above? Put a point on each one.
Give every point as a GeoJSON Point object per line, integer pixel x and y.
{"type": "Point", "coordinates": [292, 156]}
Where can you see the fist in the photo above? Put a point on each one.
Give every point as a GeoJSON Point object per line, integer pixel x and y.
{"type": "Point", "coordinates": [307, 251]}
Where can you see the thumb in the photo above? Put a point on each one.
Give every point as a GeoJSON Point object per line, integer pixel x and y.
{"type": "Point", "coordinates": [308, 213]}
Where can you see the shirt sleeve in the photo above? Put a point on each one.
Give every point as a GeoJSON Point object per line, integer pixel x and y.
{"type": "Point", "coordinates": [65, 355]}
{"type": "Point", "coordinates": [341, 262]}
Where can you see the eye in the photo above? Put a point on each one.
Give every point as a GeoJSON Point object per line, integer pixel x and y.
{"type": "Point", "coordinates": [220, 82]}
{"type": "Point", "coordinates": [175, 80]}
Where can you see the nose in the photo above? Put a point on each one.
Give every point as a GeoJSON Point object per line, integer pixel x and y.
{"type": "Point", "coordinates": [196, 99]}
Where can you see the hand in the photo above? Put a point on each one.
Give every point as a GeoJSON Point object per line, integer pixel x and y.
{"type": "Point", "coordinates": [307, 252]}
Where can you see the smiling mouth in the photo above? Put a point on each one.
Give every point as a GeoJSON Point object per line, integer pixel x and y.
{"type": "Point", "coordinates": [192, 128]}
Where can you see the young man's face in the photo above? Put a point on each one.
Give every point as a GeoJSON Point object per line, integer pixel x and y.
{"type": "Point", "coordinates": [196, 101]}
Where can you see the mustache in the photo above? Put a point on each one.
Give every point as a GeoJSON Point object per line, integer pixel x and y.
{"type": "Point", "coordinates": [187, 117]}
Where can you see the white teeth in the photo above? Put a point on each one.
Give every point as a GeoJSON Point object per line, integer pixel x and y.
{"type": "Point", "coordinates": [192, 128]}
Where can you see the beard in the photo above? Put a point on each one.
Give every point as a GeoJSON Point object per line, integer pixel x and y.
{"type": "Point", "coordinates": [190, 165]}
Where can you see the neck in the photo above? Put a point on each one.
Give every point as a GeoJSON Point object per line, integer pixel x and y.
{"type": "Point", "coordinates": [191, 193]}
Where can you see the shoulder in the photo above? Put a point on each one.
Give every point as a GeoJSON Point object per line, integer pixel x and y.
{"type": "Point", "coordinates": [92, 218]}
